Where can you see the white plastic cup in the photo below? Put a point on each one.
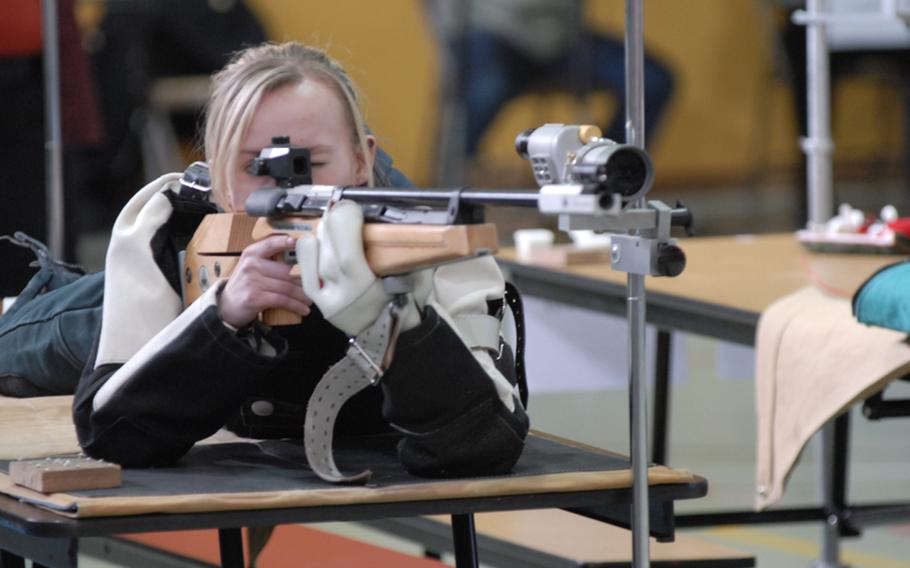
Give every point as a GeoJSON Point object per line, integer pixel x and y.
{"type": "Point", "coordinates": [589, 239]}
{"type": "Point", "coordinates": [528, 240]}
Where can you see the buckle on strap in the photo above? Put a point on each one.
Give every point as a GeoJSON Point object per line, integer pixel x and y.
{"type": "Point", "coordinates": [364, 361]}
{"type": "Point", "coordinates": [377, 342]}
{"type": "Point", "coordinates": [479, 331]}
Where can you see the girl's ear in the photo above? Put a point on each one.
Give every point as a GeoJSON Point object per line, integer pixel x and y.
{"type": "Point", "coordinates": [365, 163]}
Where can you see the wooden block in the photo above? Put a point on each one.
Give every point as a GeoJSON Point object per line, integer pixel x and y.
{"type": "Point", "coordinates": [559, 256]}
{"type": "Point", "coordinates": [52, 475]}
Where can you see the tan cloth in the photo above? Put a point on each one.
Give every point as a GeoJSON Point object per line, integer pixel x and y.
{"type": "Point", "coordinates": [813, 360]}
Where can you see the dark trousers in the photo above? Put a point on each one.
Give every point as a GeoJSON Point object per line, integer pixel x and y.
{"type": "Point", "coordinates": [22, 199]}
{"type": "Point", "coordinates": [492, 72]}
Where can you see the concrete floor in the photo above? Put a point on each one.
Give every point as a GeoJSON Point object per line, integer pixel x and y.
{"type": "Point", "coordinates": [712, 433]}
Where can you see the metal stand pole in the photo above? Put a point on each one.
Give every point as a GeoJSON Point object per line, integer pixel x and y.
{"type": "Point", "coordinates": [53, 146]}
{"type": "Point", "coordinates": [638, 385]}
{"type": "Point", "coordinates": [449, 20]}
{"type": "Point", "coordinates": [818, 145]}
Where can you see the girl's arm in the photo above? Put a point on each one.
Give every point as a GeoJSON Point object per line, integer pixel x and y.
{"type": "Point", "coordinates": [180, 387]}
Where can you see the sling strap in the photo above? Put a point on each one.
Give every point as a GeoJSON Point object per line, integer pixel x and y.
{"type": "Point", "coordinates": [367, 358]}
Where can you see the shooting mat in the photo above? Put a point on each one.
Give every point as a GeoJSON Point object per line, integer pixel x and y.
{"type": "Point", "coordinates": [250, 474]}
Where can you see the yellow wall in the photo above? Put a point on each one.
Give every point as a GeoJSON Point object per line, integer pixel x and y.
{"type": "Point", "coordinates": [731, 118]}
{"type": "Point", "coordinates": [386, 46]}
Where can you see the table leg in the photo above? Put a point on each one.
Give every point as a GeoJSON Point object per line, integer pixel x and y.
{"type": "Point", "coordinates": [230, 544]}
{"type": "Point", "coordinates": [833, 486]}
{"type": "Point", "coordinates": [465, 540]}
{"type": "Point", "coordinates": [661, 397]}
{"type": "Point", "coordinates": [10, 560]}
{"type": "Point", "coordinates": [42, 551]}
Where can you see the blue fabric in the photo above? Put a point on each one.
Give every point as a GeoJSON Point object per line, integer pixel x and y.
{"type": "Point", "coordinates": [388, 174]}
{"type": "Point", "coordinates": [884, 299]}
{"type": "Point", "coordinates": [493, 72]}
{"type": "Point", "coordinates": [46, 337]}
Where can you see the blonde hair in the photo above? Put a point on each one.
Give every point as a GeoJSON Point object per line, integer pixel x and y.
{"type": "Point", "coordinates": [237, 89]}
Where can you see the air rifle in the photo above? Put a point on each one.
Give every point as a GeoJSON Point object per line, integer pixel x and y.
{"type": "Point", "coordinates": [590, 182]}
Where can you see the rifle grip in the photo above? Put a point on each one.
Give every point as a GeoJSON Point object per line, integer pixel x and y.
{"type": "Point", "coordinates": [280, 316]}
{"type": "Point", "coordinates": [277, 316]}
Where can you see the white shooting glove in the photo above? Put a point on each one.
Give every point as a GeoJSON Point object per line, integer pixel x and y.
{"type": "Point", "coordinates": [350, 296]}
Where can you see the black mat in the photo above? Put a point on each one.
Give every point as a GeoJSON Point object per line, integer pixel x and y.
{"type": "Point", "coordinates": [278, 465]}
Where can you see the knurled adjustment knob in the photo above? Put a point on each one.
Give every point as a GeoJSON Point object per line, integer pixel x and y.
{"type": "Point", "coordinates": [671, 260]}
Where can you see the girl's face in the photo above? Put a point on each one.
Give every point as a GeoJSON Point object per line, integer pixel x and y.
{"type": "Point", "coordinates": [312, 115]}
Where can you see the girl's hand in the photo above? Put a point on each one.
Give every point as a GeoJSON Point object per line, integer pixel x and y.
{"type": "Point", "coordinates": [258, 282]}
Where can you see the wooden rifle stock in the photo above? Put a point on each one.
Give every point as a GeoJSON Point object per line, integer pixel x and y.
{"type": "Point", "coordinates": [390, 248]}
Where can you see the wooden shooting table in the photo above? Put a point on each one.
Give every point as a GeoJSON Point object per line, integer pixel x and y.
{"type": "Point", "coordinates": [727, 284]}
{"type": "Point", "coordinates": [234, 484]}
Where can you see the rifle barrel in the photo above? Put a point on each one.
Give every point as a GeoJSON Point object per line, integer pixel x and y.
{"type": "Point", "coordinates": [502, 197]}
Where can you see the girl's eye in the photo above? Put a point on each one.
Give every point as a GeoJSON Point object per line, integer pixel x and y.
{"type": "Point", "coordinates": [317, 164]}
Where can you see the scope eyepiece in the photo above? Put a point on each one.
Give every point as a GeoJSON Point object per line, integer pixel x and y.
{"type": "Point", "coordinates": [572, 154]}
{"type": "Point", "coordinates": [625, 172]}
{"type": "Point", "coordinates": [521, 142]}
{"type": "Point", "coordinates": [616, 169]}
